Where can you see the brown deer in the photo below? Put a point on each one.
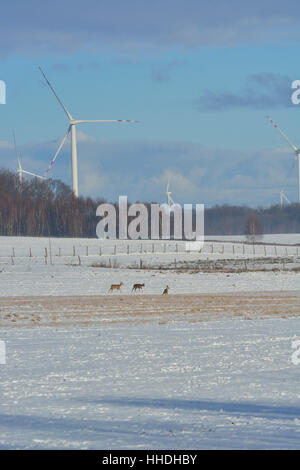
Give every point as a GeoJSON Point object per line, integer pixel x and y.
{"type": "Point", "coordinates": [138, 287]}
{"type": "Point", "coordinates": [115, 287]}
{"type": "Point", "coordinates": [166, 291]}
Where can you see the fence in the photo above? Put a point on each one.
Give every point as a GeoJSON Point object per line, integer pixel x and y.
{"type": "Point", "coordinates": [151, 254]}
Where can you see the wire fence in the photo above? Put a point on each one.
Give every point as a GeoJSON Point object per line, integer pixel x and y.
{"type": "Point", "coordinates": [212, 256]}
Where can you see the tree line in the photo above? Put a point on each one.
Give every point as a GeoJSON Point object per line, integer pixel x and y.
{"type": "Point", "coordinates": [49, 208]}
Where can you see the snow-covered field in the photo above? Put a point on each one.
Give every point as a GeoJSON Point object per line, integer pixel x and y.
{"type": "Point", "coordinates": [26, 280]}
{"type": "Point", "coordinates": [211, 385]}
{"type": "Point", "coordinates": [284, 238]}
{"type": "Point", "coordinates": [219, 381]}
{"type": "Point", "coordinates": [282, 252]}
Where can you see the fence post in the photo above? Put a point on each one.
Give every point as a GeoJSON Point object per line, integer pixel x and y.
{"type": "Point", "coordinates": [79, 261]}
{"type": "Point", "coordinates": [73, 250]}
{"type": "Point", "coordinates": [12, 260]}
{"type": "Point", "coordinates": [30, 253]}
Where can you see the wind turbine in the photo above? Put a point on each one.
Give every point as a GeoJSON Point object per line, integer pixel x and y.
{"type": "Point", "coordinates": [296, 150]}
{"type": "Point", "coordinates": [283, 196]}
{"type": "Point", "coordinates": [168, 193]}
{"type": "Point", "coordinates": [20, 170]}
{"type": "Point", "coordinates": [72, 129]}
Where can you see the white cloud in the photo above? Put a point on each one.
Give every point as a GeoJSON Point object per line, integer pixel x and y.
{"type": "Point", "coordinates": [140, 170]}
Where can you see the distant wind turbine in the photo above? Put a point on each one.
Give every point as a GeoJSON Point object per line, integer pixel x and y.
{"type": "Point", "coordinates": [283, 196]}
{"type": "Point", "coordinates": [296, 150]}
{"type": "Point", "coordinates": [72, 129]}
{"type": "Point", "coordinates": [20, 170]}
{"type": "Point", "coordinates": [168, 193]}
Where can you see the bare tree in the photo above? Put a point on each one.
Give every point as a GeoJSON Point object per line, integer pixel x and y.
{"type": "Point", "coordinates": [253, 230]}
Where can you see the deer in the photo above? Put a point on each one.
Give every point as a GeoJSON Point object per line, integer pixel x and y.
{"type": "Point", "coordinates": [115, 287]}
{"type": "Point", "coordinates": [166, 290]}
{"type": "Point", "coordinates": [138, 286]}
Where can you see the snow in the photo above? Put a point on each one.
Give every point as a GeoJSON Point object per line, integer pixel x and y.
{"type": "Point", "coordinates": [93, 281]}
{"type": "Point", "coordinates": [222, 381]}
{"type": "Point", "coordinates": [285, 238]}
{"type": "Point", "coordinates": [212, 385]}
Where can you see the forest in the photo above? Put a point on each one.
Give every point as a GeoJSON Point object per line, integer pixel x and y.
{"type": "Point", "coordinates": [49, 208]}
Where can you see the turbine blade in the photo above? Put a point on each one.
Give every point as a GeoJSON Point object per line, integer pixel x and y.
{"type": "Point", "coordinates": [56, 96]}
{"type": "Point", "coordinates": [282, 134]}
{"type": "Point", "coordinates": [168, 185]}
{"type": "Point", "coordinates": [33, 174]}
{"type": "Point", "coordinates": [80, 121]}
{"type": "Point", "coordinates": [14, 137]}
{"type": "Point", "coordinates": [287, 200]}
{"type": "Point", "coordinates": [58, 150]}
{"type": "Point", "coordinates": [15, 145]}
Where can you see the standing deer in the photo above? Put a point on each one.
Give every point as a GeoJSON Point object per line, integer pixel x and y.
{"type": "Point", "coordinates": [138, 286]}
{"type": "Point", "coordinates": [166, 291]}
{"type": "Point", "coordinates": [115, 287]}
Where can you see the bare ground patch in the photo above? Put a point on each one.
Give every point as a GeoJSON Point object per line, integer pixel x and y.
{"type": "Point", "coordinates": [118, 308]}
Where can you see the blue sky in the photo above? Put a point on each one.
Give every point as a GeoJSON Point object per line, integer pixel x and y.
{"type": "Point", "coordinates": [200, 79]}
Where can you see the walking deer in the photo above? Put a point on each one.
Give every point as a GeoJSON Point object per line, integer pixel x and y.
{"type": "Point", "coordinates": [115, 287]}
{"type": "Point", "coordinates": [138, 287]}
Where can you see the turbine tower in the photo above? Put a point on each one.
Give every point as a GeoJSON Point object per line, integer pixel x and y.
{"type": "Point", "coordinates": [72, 129]}
{"type": "Point", "coordinates": [296, 150]}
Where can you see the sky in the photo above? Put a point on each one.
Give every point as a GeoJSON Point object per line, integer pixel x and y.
{"type": "Point", "coordinates": [200, 77]}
